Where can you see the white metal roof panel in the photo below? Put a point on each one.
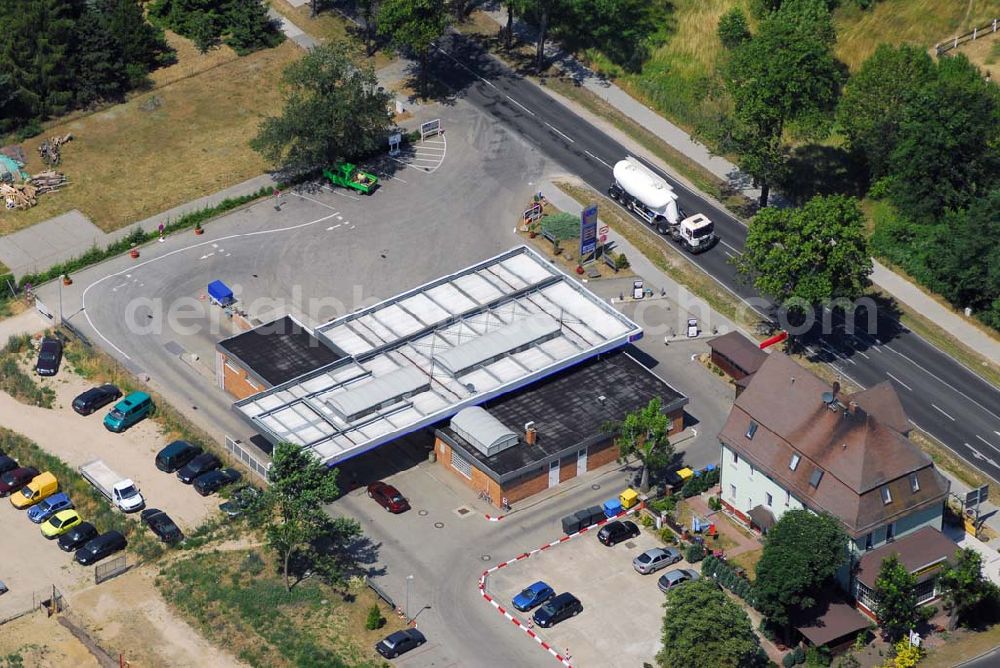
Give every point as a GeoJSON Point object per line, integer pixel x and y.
{"type": "Point", "coordinates": [481, 429]}
{"type": "Point", "coordinates": [366, 396]}
{"type": "Point", "coordinates": [449, 297]}
{"type": "Point", "coordinates": [498, 342]}
{"type": "Point", "coordinates": [422, 307]}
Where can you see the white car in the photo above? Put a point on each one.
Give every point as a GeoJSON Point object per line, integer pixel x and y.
{"type": "Point", "coordinates": [692, 327]}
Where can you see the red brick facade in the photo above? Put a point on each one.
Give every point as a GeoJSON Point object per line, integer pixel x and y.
{"type": "Point", "coordinates": [236, 381]}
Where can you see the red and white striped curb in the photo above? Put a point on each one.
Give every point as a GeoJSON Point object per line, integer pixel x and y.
{"type": "Point", "coordinates": [562, 658]}
{"type": "Point", "coordinates": [495, 518]}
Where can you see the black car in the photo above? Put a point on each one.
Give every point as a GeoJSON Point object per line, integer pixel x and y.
{"type": "Point", "coordinates": [73, 539]}
{"type": "Point", "coordinates": [49, 357]}
{"type": "Point", "coordinates": [213, 481]}
{"type": "Point", "coordinates": [556, 609]}
{"type": "Point", "coordinates": [176, 455]}
{"type": "Point", "coordinates": [7, 464]}
{"type": "Point", "coordinates": [617, 531]}
{"type": "Point", "coordinates": [161, 525]}
{"type": "Point", "coordinates": [240, 501]}
{"type": "Point", "coordinates": [399, 642]}
{"type": "Point", "coordinates": [103, 546]}
{"type": "Point", "coordinates": [96, 397]}
{"type": "Point", "coordinates": [203, 463]}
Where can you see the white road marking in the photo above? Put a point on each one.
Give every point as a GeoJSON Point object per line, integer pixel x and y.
{"type": "Point", "coordinates": [466, 68]}
{"type": "Point", "coordinates": [333, 227]}
{"type": "Point", "coordinates": [987, 442]}
{"type": "Point", "coordinates": [561, 133]}
{"type": "Point", "coordinates": [945, 383]}
{"type": "Point", "coordinates": [340, 217]}
{"type": "Point", "coordinates": [730, 248]}
{"type": "Point", "coordinates": [598, 159]}
{"type": "Point", "coordinates": [836, 353]}
{"type": "Point", "coordinates": [899, 381]}
{"type": "Point", "coordinates": [396, 178]}
{"type": "Point", "coordinates": [207, 255]}
{"type": "Point", "coordinates": [520, 105]}
{"type": "Point", "coordinates": [935, 407]}
{"type": "Point", "coordinates": [729, 254]}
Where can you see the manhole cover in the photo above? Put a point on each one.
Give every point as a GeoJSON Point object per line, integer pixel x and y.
{"type": "Point", "coordinates": [485, 557]}
{"type": "Point", "coordinates": [462, 511]}
{"type": "Point", "coordinates": [439, 525]}
{"type": "Point", "coordinates": [595, 486]}
{"type": "Point", "coordinates": [422, 513]}
{"type": "Point", "coordinates": [629, 544]}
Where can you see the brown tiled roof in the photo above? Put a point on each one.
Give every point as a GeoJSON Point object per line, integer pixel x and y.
{"type": "Point", "coordinates": [919, 550]}
{"type": "Point", "coordinates": [762, 517]}
{"type": "Point", "coordinates": [743, 352]}
{"type": "Point", "coordinates": [855, 454]}
{"type": "Point", "coordinates": [882, 400]}
{"type": "Point", "coordinates": [834, 620]}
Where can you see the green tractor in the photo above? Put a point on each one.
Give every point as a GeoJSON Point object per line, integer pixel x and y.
{"type": "Point", "coordinates": [346, 175]}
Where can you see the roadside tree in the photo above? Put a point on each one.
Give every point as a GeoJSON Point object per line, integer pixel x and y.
{"type": "Point", "coordinates": [965, 590]}
{"type": "Point", "coordinates": [296, 524]}
{"type": "Point", "coordinates": [643, 434]}
{"type": "Point", "coordinates": [413, 25]}
{"type": "Point", "coordinates": [333, 111]}
{"type": "Point", "coordinates": [896, 599]}
{"type": "Point", "coordinates": [808, 255]}
{"type": "Point", "coordinates": [801, 554]}
{"type": "Point", "coordinates": [704, 627]}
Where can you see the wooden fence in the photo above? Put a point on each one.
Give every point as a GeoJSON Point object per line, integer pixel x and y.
{"type": "Point", "coordinates": [946, 46]}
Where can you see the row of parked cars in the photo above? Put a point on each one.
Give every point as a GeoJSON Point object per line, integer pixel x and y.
{"type": "Point", "coordinates": [651, 560]}
{"type": "Point", "coordinates": [39, 494]}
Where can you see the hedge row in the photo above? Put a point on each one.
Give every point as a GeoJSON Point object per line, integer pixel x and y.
{"type": "Point", "coordinates": [725, 574]}
{"type": "Point", "coordinates": [138, 237]}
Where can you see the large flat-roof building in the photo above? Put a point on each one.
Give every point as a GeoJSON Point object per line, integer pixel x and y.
{"type": "Point", "coordinates": [418, 358]}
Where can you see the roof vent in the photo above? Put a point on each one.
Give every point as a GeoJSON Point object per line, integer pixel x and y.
{"type": "Point", "coordinates": [602, 399]}
{"type": "Point", "coordinates": [482, 430]}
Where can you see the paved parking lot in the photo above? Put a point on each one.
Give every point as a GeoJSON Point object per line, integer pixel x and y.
{"type": "Point", "coordinates": [622, 610]}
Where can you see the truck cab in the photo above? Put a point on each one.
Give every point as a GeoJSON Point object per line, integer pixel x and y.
{"type": "Point", "coordinates": [127, 496]}
{"type": "Point", "coordinates": [696, 233]}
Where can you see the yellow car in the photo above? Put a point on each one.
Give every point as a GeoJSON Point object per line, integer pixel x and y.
{"type": "Point", "coordinates": [41, 486]}
{"type": "Point", "coordinates": [60, 523]}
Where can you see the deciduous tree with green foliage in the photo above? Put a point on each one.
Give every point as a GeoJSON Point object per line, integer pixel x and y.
{"type": "Point", "coordinates": [413, 25]}
{"type": "Point", "coordinates": [808, 255]}
{"type": "Point", "coordinates": [784, 78]}
{"type": "Point", "coordinates": [733, 29]}
{"type": "Point", "coordinates": [644, 434]}
{"type": "Point", "coordinates": [802, 552]}
{"type": "Point", "coordinates": [964, 588]}
{"type": "Point", "coordinates": [296, 522]}
{"type": "Point", "coordinates": [333, 111]}
{"type": "Point", "coordinates": [895, 599]}
{"type": "Point", "coordinates": [703, 627]}
{"type": "Point", "coordinates": [876, 98]}
{"type": "Point", "coordinates": [242, 24]}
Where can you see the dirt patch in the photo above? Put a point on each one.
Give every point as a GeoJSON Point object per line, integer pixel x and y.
{"type": "Point", "coordinates": [42, 642]}
{"type": "Point", "coordinates": [128, 615]}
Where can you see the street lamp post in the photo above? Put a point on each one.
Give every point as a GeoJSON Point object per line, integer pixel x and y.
{"type": "Point", "coordinates": [409, 579]}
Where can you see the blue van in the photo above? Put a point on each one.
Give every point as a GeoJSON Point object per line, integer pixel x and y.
{"type": "Point", "coordinates": [128, 411]}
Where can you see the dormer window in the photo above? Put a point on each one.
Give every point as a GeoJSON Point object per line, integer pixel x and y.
{"type": "Point", "coordinates": [886, 496]}
{"type": "Point", "coordinates": [914, 483]}
{"type": "Point", "coordinates": [816, 476]}
{"type": "Point", "coordinates": [794, 464]}
{"type": "Point", "coordinates": [751, 430]}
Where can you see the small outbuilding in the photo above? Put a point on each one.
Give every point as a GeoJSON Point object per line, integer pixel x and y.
{"type": "Point", "coordinates": [736, 355]}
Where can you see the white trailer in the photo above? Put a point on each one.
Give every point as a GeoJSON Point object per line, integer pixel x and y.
{"type": "Point", "coordinates": [119, 490]}
{"type": "Point", "coordinates": [650, 197]}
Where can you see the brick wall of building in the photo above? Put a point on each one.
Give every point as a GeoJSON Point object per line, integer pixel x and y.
{"type": "Point", "coordinates": [236, 381]}
{"type": "Point", "coordinates": [567, 468]}
{"type": "Point", "coordinates": [527, 485]}
{"type": "Point", "coordinates": [676, 421]}
{"type": "Point", "coordinates": [601, 454]}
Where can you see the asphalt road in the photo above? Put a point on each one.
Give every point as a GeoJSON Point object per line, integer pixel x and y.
{"type": "Point", "coordinates": [940, 395]}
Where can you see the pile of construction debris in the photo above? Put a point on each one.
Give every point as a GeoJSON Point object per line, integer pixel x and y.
{"type": "Point", "coordinates": [24, 195]}
{"type": "Point", "coordinates": [49, 150]}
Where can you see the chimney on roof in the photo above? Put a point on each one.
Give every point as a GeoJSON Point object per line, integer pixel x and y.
{"type": "Point", "coordinates": [530, 433]}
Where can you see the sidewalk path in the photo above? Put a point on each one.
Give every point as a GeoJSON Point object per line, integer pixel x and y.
{"type": "Point", "coordinates": [292, 31]}
{"type": "Point", "coordinates": [903, 290]}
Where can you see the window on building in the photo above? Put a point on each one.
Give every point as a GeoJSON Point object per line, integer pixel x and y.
{"type": "Point", "coordinates": [816, 476]}
{"type": "Point", "coordinates": [732, 492]}
{"type": "Point", "coordinates": [925, 591]}
{"type": "Point", "coordinates": [890, 532]}
{"type": "Point", "coordinates": [886, 496]}
{"type": "Point", "coordinates": [914, 483]}
{"type": "Point", "coordinates": [866, 596]}
{"type": "Point", "coordinates": [736, 457]}
{"type": "Point", "coordinates": [794, 464]}
{"type": "Point", "coordinates": [461, 464]}
{"type": "Point", "coordinates": [768, 499]}
{"type": "Point", "coordinates": [751, 430]}
{"type": "Point", "coordinates": [788, 497]}
{"type": "Point", "coordinates": [869, 542]}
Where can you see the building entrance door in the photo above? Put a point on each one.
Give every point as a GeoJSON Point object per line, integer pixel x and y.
{"type": "Point", "coordinates": [581, 462]}
{"type": "Point", "coordinates": [554, 473]}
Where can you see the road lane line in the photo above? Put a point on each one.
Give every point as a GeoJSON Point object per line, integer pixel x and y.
{"type": "Point", "coordinates": [987, 442]}
{"type": "Point", "coordinates": [520, 105]}
{"type": "Point", "coordinates": [560, 132]}
{"type": "Point", "coordinates": [731, 256]}
{"type": "Point", "coordinates": [465, 67]}
{"type": "Point", "coordinates": [598, 159]}
{"type": "Point", "coordinates": [942, 412]}
{"type": "Point", "coordinates": [899, 381]}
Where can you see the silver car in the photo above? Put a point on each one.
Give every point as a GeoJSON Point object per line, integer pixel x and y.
{"type": "Point", "coordinates": [653, 560]}
{"type": "Point", "coordinates": [676, 578]}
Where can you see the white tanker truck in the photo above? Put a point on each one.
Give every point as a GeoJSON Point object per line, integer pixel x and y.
{"type": "Point", "coordinates": [651, 198]}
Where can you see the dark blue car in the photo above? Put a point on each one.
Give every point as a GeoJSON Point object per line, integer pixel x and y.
{"type": "Point", "coordinates": [48, 507]}
{"type": "Point", "coordinates": [534, 595]}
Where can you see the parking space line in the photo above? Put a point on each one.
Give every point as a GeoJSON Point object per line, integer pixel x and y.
{"type": "Point", "coordinates": [484, 578]}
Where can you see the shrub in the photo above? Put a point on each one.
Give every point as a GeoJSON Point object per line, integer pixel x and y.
{"type": "Point", "coordinates": [375, 619]}
{"type": "Point", "coordinates": [252, 564]}
{"type": "Point", "coordinates": [664, 505]}
{"type": "Point", "coordinates": [621, 262]}
{"type": "Point", "coordinates": [733, 28]}
{"type": "Point", "coordinates": [715, 504]}
{"type": "Point", "coordinates": [695, 553]}
{"type": "Point", "coordinates": [788, 660]}
{"type": "Point", "coordinates": [799, 655]}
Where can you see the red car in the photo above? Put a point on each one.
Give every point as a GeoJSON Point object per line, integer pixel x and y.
{"type": "Point", "coordinates": [388, 497]}
{"type": "Point", "coordinates": [11, 481]}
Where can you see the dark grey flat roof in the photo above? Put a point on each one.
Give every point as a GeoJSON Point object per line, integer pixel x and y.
{"type": "Point", "coordinates": [278, 351]}
{"type": "Point", "coordinates": [567, 411]}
